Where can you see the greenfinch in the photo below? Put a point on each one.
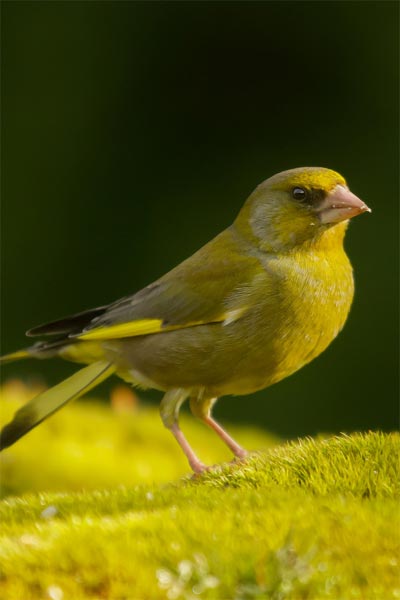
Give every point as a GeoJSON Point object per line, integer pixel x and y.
{"type": "Point", "coordinates": [254, 305]}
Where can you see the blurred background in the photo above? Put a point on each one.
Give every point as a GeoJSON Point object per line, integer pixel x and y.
{"type": "Point", "coordinates": [132, 132]}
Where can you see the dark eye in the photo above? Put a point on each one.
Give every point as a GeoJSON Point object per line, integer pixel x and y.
{"type": "Point", "coordinates": [299, 193]}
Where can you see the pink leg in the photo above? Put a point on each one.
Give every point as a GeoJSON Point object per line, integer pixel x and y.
{"type": "Point", "coordinates": [169, 410]}
{"type": "Point", "coordinates": [195, 463]}
{"type": "Point", "coordinates": [225, 437]}
{"type": "Point", "coordinates": [202, 410]}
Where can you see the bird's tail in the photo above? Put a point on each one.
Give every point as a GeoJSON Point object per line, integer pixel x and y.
{"type": "Point", "coordinates": [48, 402]}
{"type": "Point", "coordinates": [14, 356]}
{"type": "Point", "coordinates": [43, 349]}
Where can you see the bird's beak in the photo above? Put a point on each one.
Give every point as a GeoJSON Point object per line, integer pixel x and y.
{"type": "Point", "coordinates": [340, 204]}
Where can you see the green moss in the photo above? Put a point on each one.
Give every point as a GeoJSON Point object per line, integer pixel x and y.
{"type": "Point", "coordinates": [307, 520]}
{"type": "Point", "coordinates": [88, 446]}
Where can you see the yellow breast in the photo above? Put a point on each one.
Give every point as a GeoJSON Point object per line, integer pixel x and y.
{"type": "Point", "coordinates": [316, 294]}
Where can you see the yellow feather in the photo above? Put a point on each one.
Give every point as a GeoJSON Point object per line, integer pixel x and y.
{"type": "Point", "coordinates": [122, 330]}
{"type": "Point", "coordinates": [150, 326]}
{"type": "Point", "coordinates": [14, 356]}
{"type": "Point", "coordinates": [82, 352]}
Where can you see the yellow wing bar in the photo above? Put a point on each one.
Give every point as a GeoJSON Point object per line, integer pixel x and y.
{"type": "Point", "coordinates": [122, 330]}
{"type": "Point", "coordinates": [150, 326]}
{"type": "Point", "coordinates": [134, 328]}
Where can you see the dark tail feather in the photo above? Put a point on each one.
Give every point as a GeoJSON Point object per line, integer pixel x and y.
{"type": "Point", "coordinates": [48, 402]}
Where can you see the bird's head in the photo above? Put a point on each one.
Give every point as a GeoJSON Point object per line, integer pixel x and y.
{"type": "Point", "coordinates": [299, 206]}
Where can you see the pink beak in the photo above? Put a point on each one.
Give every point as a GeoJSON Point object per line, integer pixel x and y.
{"type": "Point", "coordinates": [339, 205]}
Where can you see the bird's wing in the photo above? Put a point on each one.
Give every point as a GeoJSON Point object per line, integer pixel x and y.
{"type": "Point", "coordinates": [190, 295]}
{"type": "Point", "coordinates": [160, 307]}
{"type": "Point", "coordinates": [206, 288]}
{"type": "Point", "coordinates": [67, 325]}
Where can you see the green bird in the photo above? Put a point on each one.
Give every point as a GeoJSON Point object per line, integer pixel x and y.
{"type": "Point", "coordinates": [254, 305]}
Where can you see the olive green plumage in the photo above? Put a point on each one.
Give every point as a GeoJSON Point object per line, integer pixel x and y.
{"type": "Point", "coordinates": [252, 306]}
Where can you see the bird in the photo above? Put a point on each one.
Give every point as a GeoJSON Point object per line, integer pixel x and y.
{"type": "Point", "coordinates": [252, 306]}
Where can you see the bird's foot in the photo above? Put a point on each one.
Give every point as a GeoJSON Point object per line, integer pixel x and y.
{"type": "Point", "coordinates": [206, 469]}
{"type": "Point", "coordinates": [239, 459]}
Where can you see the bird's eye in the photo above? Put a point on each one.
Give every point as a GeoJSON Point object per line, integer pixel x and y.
{"type": "Point", "coordinates": [299, 193]}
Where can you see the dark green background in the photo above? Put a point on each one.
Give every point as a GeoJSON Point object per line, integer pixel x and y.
{"type": "Point", "coordinates": [133, 131]}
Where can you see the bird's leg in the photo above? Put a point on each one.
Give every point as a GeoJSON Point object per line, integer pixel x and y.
{"type": "Point", "coordinates": [169, 410]}
{"type": "Point", "coordinates": [202, 410]}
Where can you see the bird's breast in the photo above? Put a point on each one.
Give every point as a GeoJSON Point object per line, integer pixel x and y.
{"type": "Point", "coordinates": [312, 301]}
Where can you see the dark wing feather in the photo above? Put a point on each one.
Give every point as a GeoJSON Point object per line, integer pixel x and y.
{"type": "Point", "coordinates": [67, 325]}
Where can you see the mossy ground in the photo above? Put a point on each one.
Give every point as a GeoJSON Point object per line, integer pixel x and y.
{"type": "Point", "coordinates": [94, 508]}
